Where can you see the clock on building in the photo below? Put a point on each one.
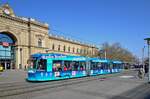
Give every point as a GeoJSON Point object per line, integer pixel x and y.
{"type": "Point", "coordinates": [6, 11]}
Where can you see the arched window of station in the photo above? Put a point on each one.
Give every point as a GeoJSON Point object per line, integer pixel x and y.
{"type": "Point", "coordinates": [78, 50]}
{"type": "Point", "coordinates": [84, 51]}
{"type": "Point", "coordinates": [53, 47]}
{"type": "Point", "coordinates": [7, 50]}
{"type": "Point", "coordinates": [39, 42]}
{"type": "Point", "coordinates": [64, 48]}
{"type": "Point", "coordinates": [58, 47]}
{"type": "Point", "coordinates": [73, 50]}
{"type": "Point", "coordinates": [69, 49]}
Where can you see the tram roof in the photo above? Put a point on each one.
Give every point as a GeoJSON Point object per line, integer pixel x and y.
{"type": "Point", "coordinates": [117, 61]}
{"type": "Point", "coordinates": [99, 60]}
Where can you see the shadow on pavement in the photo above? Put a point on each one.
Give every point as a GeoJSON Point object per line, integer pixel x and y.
{"type": "Point", "coordinates": [140, 92]}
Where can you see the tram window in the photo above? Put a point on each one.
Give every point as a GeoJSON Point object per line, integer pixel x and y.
{"type": "Point", "coordinates": [119, 66]}
{"type": "Point", "coordinates": [99, 65]}
{"type": "Point", "coordinates": [33, 65]}
{"type": "Point", "coordinates": [94, 66]}
{"type": "Point", "coordinates": [67, 65]}
{"type": "Point", "coordinates": [106, 66]}
{"type": "Point", "coordinates": [57, 66]}
{"type": "Point", "coordinates": [42, 64]}
{"type": "Point", "coordinates": [103, 66]}
{"type": "Point", "coordinates": [75, 65]}
{"type": "Point", "coordinates": [82, 65]}
{"type": "Point", "coordinates": [114, 66]}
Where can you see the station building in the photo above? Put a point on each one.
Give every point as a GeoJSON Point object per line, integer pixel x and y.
{"type": "Point", "coordinates": [21, 37]}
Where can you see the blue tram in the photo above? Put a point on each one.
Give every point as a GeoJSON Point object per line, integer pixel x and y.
{"type": "Point", "coordinates": [56, 66]}
{"type": "Point", "coordinates": [53, 66]}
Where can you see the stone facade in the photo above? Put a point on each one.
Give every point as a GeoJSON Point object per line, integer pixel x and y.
{"type": "Point", "coordinates": [32, 36]}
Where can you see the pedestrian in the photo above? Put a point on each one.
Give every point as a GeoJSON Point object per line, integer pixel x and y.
{"type": "Point", "coordinates": [141, 73]}
{"type": "Point", "coordinates": [146, 70]}
{"type": "Point", "coordinates": [25, 67]}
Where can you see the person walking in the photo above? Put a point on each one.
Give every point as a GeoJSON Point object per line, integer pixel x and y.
{"type": "Point", "coordinates": [141, 73]}
{"type": "Point", "coordinates": [146, 70]}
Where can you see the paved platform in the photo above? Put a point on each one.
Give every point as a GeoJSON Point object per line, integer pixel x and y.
{"type": "Point", "coordinates": [10, 76]}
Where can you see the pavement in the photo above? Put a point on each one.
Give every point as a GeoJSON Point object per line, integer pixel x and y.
{"type": "Point", "coordinates": [11, 76]}
{"type": "Point", "coordinates": [123, 86]}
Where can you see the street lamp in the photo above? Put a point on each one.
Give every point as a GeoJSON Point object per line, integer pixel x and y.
{"type": "Point", "coordinates": [143, 57]}
{"type": "Point", "coordinates": [105, 53]}
{"type": "Point", "coordinates": [148, 43]}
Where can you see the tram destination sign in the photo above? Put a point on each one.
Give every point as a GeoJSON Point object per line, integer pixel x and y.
{"type": "Point", "coordinates": [53, 56]}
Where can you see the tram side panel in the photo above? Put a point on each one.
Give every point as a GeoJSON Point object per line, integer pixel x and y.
{"type": "Point", "coordinates": [56, 71]}
{"type": "Point", "coordinates": [117, 66]}
{"type": "Point", "coordinates": [99, 67]}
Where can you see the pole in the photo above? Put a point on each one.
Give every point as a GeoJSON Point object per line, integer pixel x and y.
{"type": "Point", "coordinates": [5, 59]}
{"type": "Point", "coordinates": [105, 54]}
{"type": "Point", "coordinates": [20, 58]}
{"type": "Point", "coordinates": [149, 63]}
{"type": "Point", "coordinates": [143, 58]}
{"type": "Point", "coordinates": [148, 43]}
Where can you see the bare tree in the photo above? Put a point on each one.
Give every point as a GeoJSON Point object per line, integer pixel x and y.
{"type": "Point", "coordinates": [117, 52]}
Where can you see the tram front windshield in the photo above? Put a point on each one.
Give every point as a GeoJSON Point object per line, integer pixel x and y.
{"type": "Point", "coordinates": [42, 64]}
{"type": "Point", "coordinates": [32, 63]}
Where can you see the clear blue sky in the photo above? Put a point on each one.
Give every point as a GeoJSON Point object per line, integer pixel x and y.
{"type": "Point", "coordinates": [96, 21]}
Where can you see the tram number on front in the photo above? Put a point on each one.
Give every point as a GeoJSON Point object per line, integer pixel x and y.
{"type": "Point", "coordinates": [57, 74]}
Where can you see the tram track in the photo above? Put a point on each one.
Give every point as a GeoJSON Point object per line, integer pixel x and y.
{"type": "Point", "coordinates": [16, 86]}
{"type": "Point", "coordinates": [39, 87]}
{"type": "Point", "coordinates": [33, 87]}
{"type": "Point", "coordinates": [4, 85]}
